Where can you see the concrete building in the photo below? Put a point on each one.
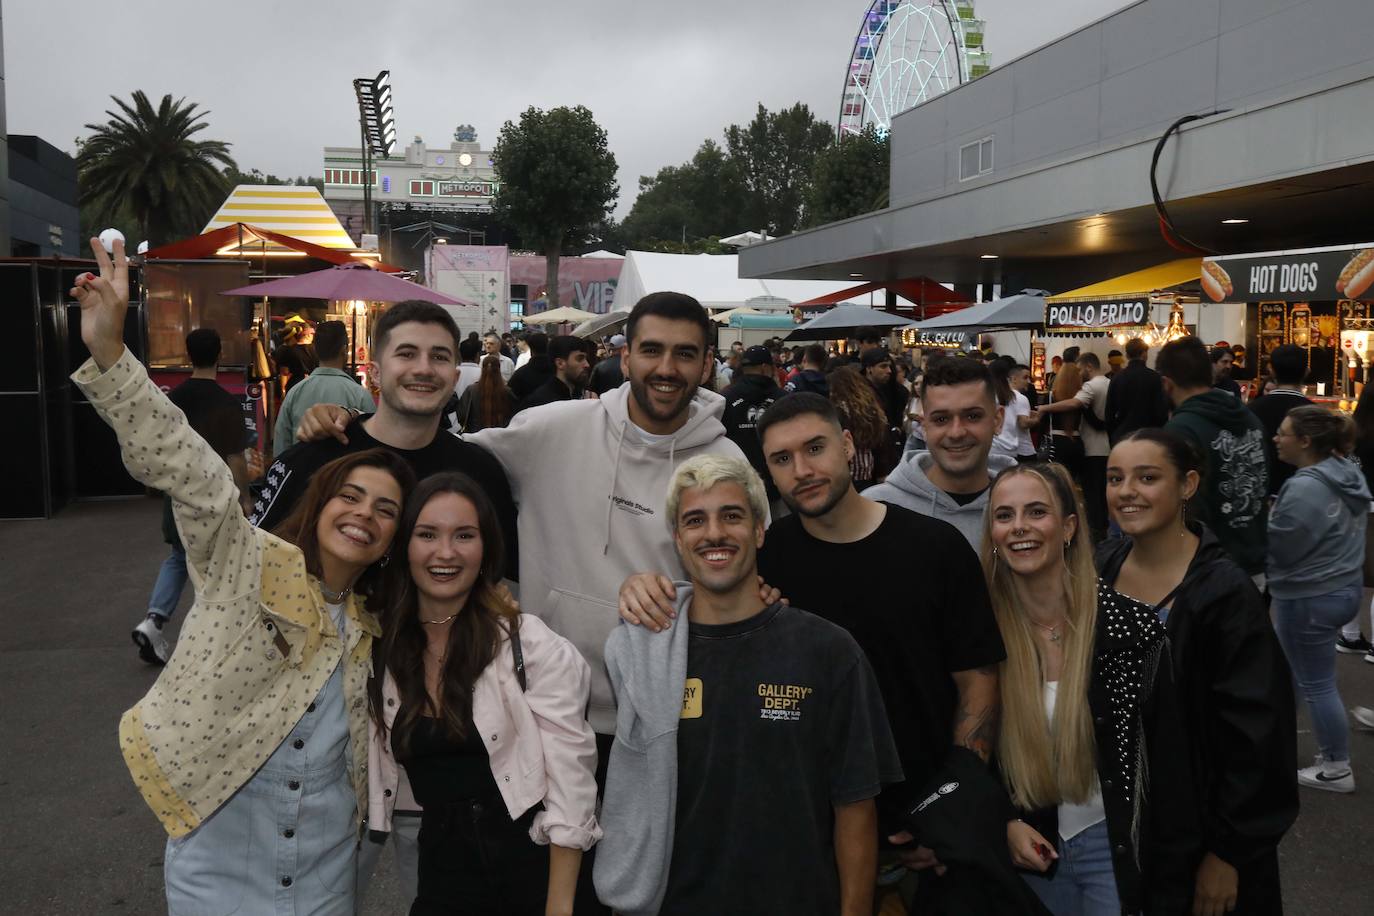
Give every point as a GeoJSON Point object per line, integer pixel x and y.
{"type": "Point", "coordinates": [1038, 174]}
{"type": "Point", "coordinates": [44, 218]}
{"type": "Point", "coordinates": [4, 160]}
{"type": "Point", "coordinates": [437, 182]}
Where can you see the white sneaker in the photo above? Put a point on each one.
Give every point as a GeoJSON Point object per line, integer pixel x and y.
{"type": "Point", "coordinates": [1327, 775]}
{"type": "Point", "coordinates": [1363, 716]}
{"type": "Point", "coordinates": [152, 645]}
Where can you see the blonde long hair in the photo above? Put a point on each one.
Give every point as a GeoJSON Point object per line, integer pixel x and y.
{"type": "Point", "coordinates": [1045, 765]}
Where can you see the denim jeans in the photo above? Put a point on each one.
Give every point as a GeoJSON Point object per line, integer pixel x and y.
{"type": "Point", "coordinates": [1085, 883]}
{"type": "Point", "coordinates": [1307, 630]}
{"type": "Point", "coordinates": [171, 580]}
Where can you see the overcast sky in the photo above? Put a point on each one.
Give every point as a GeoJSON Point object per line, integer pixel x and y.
{"type": "Point", "coordinates": [276, 76]}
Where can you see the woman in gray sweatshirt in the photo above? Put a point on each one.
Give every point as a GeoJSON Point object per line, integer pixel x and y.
{"type": "Point", "coordinates": [1315, 572]}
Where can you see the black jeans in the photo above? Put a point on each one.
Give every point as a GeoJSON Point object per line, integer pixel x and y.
{"type": "Point", "coordinates": [475, 860]}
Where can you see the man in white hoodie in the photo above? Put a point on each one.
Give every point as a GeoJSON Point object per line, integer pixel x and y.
{"type": "Point", "coordinates": [950, 480]}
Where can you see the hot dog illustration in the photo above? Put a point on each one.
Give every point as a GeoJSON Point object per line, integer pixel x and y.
{"type": "Point", "coordinates": [1357, 275]}
{"type": "Point", "coordinates": [1216, 282]}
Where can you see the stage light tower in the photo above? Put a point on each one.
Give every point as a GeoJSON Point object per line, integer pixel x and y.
{"type": "Point", "coordinates": [378, 128]}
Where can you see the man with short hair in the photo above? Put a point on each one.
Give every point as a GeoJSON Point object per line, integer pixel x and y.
{"type": "Point", "coordinates": [470, 369]}
{"type": "Point", "coordinates": [609, 374]}
{"type": "Point", "coordinates": [1222, 358]}
{"type": "Point", "coordinates": [1235, 485]}
{"type": "Point", "coordinates": [218, 417]}
{"type": "Point", "coordinates": [1115, 363]}
{"type": "Point", "coordinates": [492, 346]}
{"type": "Point", "coordinates": [1288, 363]}
{"type": "Point", "coordinates": [812, 375]}
{"type": "Point", "coordinates": [328, 384]}
{"type": "Point", "coordinates": [753, 391]}
{"type": "Point", "coordinates": [1135, 397]}
{"type": "Point", "coordinates": [951, 478]}
{"type": "Point", "coordinates": [522, 348]}
{"type": "Point", "coordinates": [793, 831]}
{"type": "Point", "coordinates": [1090, 402]}
{"type": "Point", "coordinates": [934, 648]}
{"type": "Point", "coordinates": [570, 371]}
{"type": "Point", "coordinates": [537, 369]}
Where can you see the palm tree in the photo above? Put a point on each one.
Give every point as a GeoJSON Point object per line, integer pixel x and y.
{"type": "Point", "coordinates": [145, 158]}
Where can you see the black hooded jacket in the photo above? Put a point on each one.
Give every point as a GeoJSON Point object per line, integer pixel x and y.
{"type": "Point", "coordinates": [1237, 698]}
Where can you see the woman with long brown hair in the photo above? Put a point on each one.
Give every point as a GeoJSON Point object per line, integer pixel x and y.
{"type": "Point", "coordinates": [1090, 741]}
{"type": "Point", "coordinates": [1066, 447]}
{"type": "Point", "coordinates": [485, 709]}
{"type": "Point", "coordinates": [488, 402]}
{"type": "Point", "coordinates": [250, 746]}
{"type": "Point", "coordinates": [862, 415]}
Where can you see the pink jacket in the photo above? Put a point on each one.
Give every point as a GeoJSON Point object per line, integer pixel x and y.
{"type": "Point", "coordinates": [539, 742]}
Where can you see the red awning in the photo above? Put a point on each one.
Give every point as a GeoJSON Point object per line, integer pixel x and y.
{"type": "Point", "coordinates": [923, 292]}
{"type": "Point", "coordinates": [239, 237]}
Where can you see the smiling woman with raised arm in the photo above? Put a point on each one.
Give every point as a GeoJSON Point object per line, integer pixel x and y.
{"type": "Point", "coordinates": [1091, 744]}
{"type": "Point", "coordinates": [251, 747]}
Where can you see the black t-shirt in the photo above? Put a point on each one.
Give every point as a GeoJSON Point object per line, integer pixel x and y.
{"type": "Point", "coordinates": [213, 413]}
{"type": "Point", "coordinates": [913, 596]}
{"type": "Point", "coordinates": [963, 499]}
{"type": "Point", "coordinates": [290, 474]}
{"type": "Point", "coordinates": [781, 722]}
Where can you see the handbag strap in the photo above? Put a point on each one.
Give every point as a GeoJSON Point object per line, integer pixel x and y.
{"type": "Point", "coordinates": [519, 657]}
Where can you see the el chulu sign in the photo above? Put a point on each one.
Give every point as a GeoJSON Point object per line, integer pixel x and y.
{"type": "Point", "coordinates": [1098, 314]}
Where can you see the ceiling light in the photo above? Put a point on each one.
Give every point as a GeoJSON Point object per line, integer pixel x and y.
{"type": "Point", "coordinates": [988, 257]}
{"type": "Point", "coordinates": [856, 276]}
{"type": "Point", "coordinates": [1234, 222]}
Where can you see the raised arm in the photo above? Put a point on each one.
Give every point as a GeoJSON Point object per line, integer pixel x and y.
{"type": "Point", "coordinates": [157, 443]}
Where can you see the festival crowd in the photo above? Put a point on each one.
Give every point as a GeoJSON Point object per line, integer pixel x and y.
{"type": "Point", "coordinates": [637, 630]}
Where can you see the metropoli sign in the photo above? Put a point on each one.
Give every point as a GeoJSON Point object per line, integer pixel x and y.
{"type": "Point", "coordinates": [1098, 314]}
{"type": "Point", "coordinates": [466, 188]}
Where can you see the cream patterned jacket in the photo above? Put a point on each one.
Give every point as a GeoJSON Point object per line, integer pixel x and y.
{"type": "Point", "coordinates": [258, 644]}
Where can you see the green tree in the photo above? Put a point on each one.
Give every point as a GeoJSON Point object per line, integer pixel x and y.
{"type": "Point", "coordinates": [233, 177]}
{"type": "Point", "coordinates": [849, 177]}
{"type": "Point", "coordinates": [557, 180]}
{"type": "Point", "coordinates": [774, 155]}
{"type": "Point", "coordinates": [148, 159]}
{"type": "Point", "coordinates": [682, 207]}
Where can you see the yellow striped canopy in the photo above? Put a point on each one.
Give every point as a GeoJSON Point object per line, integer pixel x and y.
{"type": "Point", "coordinates": [299, 212]}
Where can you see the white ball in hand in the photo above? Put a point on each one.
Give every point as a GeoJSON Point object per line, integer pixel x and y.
{"type": "Point", "coordinates": [108, 238]}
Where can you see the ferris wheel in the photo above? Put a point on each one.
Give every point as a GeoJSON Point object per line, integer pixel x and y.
{"type": "Point", "coordinates": [908, 51]}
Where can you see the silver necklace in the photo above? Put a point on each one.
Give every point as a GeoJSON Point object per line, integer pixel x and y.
{"type": "Point", "coordinates": [334, 597]}
{"type": "Point", "coordinates": [1053, 631]}
{"type": "Point", "coordinates": [442, 620]}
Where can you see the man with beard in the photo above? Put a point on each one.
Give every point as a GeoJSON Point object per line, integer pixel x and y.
{"type": "Point", "coordinates": [929, 632]}
{"type": "Point", "coordinates": [570, 373]}
{"type": "Point", "coordinates": [794, 831]}
{"type": "Point", "coordinates": [604, 464]}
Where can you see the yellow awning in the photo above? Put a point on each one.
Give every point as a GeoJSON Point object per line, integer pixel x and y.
{"type": "Point", "coordinates": [1141, 282]}
{"type": "Point", "coordinates": [300, 212]}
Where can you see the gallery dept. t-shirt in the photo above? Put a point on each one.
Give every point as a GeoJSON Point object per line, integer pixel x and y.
{"type": "Point", "coordinates": [781, 722]}
{"type": "Point", "coordinates": [290, 474]}
{"type": "Point", "coordinates": [912, 595]}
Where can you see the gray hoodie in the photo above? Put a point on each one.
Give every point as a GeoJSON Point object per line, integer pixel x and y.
{"type": "Point", "coordinates": [1317, 530]}
{"type": "Point", "coordinates": [909, 487]}
{"type": "Point", "coordinates": [590, 493]}
{"type": "Point", "coordinates": [639, 807]}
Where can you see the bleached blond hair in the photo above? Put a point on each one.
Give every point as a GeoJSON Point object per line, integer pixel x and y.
{"type": "Point", "coordinates": [705, 471]}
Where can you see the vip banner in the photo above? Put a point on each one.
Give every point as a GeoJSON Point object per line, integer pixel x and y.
{"type": "Point", "coordinates": [583, 283]}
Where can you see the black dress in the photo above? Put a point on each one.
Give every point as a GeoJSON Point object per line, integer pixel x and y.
{"type": "Point", "coordinates": [474, 859]}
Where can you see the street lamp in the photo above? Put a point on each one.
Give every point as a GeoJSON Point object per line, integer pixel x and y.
{"type": "Point", "coordinates": [378, 128]}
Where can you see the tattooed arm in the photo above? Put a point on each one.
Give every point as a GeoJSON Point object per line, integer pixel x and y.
{"type": "Point", "coordinates": [975, 718]}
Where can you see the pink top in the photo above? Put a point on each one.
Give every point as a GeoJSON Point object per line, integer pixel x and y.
{"type": "Point", "coordinates": [540, 745]}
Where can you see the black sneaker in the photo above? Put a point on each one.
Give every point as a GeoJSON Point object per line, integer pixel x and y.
{"type": "Point", "coordinates": [1358, 646]}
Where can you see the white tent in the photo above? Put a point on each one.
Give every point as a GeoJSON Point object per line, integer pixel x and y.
{"type": "Point", "coordinates": [604, 254]}
{"type": "Point", "coordinates": [713, 279]}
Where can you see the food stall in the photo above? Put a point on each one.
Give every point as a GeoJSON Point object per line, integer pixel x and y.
{"type": "Point", "coordinates": [1317, 298]}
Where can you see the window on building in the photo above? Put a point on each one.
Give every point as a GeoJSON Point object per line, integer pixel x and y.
{"type": "Point", "coordinates": [975, 159]}
{"type": "Point", "coordinates": [422, 189]}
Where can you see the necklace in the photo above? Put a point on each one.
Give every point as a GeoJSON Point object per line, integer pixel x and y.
{"type": "Point", "coordinates": [1053, 631]}
{"type": "Point", "coordinates": [334, 597]}
{"type": "Point", "coordinates": [442, 620]}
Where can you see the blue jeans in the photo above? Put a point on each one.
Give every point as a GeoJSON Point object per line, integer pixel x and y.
{"type": "Point", "coordinates": [171, 580]}
{"type": "Point", "coordinates": [1085, 883]}
{"type": "Point", "coordinates": [1307, 629]}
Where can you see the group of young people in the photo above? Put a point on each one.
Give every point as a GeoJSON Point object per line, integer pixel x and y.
{"type": "Point", "coordinates": [694, 707]}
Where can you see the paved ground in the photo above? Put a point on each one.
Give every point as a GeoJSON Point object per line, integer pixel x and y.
{"type": "Point", "coordinates": [78, 839]}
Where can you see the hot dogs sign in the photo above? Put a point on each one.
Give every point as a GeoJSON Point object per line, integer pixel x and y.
{"type": "Point", "coordinates": [1313, 274]}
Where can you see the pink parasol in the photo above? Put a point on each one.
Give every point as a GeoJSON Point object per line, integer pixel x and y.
{"type": "Point", "coordinates": [346, 281]}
